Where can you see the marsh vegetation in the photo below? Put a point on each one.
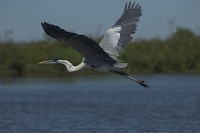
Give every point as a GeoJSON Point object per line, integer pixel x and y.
{"type": "Point", "coordinates": [180, 53]}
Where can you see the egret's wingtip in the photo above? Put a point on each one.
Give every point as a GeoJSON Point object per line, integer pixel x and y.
{"type": "Point", "coordinates": [41, 23]}
{"type": "Point", "coordinates": [44, 23]}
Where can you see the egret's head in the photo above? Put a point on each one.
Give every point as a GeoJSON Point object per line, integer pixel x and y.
{"type": "Point", "coordinates": [54, 61]}
{"type": "Point", "coordinates": [68, 65]}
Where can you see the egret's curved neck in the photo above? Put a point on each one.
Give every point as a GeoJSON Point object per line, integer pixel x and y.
{"type": "Point", "coordinates": [70, 67]}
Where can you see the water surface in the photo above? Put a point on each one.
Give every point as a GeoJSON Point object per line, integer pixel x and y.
{"type": "Point", "coordinates": [101, 105]}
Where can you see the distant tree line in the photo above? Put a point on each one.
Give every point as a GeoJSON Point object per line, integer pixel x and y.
{"type": "Point", "coordinates": [180, 53]}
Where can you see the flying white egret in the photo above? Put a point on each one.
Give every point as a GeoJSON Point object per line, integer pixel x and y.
{"type": "Point", "coordinates": [102, 57]}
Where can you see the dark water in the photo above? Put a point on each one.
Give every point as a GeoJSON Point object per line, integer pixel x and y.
{"type": "Point", "coordinates": [104, 105]}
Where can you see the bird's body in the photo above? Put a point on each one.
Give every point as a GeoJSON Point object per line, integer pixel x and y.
{"type": "Point", "coordinates": [103, 56]}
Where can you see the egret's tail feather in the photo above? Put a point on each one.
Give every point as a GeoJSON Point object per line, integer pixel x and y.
{"type": "Point", "coordinates": [120, 65]}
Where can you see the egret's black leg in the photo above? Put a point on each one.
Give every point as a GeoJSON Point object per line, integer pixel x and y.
{"type": "Point", "coordinates": [141, 82]}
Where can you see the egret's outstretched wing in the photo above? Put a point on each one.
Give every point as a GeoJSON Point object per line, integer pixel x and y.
{"type": "Point", "coordinates": [84, 45]}
{"type": "Point", "coordinates": [119, 35]}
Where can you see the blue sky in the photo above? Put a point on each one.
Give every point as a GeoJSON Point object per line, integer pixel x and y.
{"type": "Point", "coordinates": [90, 17]}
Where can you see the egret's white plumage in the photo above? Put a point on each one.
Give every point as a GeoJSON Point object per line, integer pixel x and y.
{"type": "Point", "coordinates": [119, 35]}
{"type": "Point", "coordinates": [102, 57]}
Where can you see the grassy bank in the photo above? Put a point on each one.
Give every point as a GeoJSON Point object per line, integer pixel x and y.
{"type": "Point", "coordinates": [180, 53]}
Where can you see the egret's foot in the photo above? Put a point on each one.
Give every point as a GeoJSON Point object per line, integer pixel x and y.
{"type": "Point", "coordinates": [142, 83]}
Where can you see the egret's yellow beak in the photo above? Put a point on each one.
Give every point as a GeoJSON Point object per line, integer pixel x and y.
{"type": "Point", "coordinates": [48, 62]}
{"type": "Point", "coordinates": [45, 62]}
